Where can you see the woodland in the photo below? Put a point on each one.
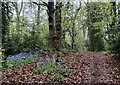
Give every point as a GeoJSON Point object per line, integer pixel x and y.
{"type": "Point", "coordinates": [59, 42]}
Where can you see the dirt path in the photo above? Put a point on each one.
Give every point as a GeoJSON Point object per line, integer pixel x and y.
{"type": "Point", "coordinates": [100, 69]}
{"type": "Point", "coordinates": [89, 67]}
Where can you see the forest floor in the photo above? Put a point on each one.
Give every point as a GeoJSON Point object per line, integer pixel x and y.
{"type": "Point", "coordinates": [85, 67]}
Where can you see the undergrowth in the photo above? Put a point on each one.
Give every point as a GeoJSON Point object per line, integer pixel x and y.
{"type": "Point", "coordinates": [56, 72]}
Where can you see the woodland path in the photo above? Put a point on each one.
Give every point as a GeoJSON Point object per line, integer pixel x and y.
{"type": "Point", "coordinates": [91, 67]}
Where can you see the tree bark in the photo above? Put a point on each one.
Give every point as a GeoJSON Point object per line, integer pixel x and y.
{"type": "Point", "coordinates": [58, 26]}
{"type": "Point", "coordinates": [89, 28]}
{"type": "Point", "coordinates": [0, 27]}
{"type": "Point", "coordinates": [38, 15]}
{"type": "Point", "coordinates": [74, 33]}
{"type": "Point", "coordinates": [111, 30]}
{"type": "Point", "coordinates": [119, 14]}
{"type": "Point", "coordinates": [113, 13]}
{"type": "Point", "coordinates": [51, 24]}
{"type": "Point", "coordinates": [15, 4]}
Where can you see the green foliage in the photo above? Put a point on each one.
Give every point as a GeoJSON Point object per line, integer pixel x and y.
{"type": "Point", "coordinates": [34, 36]}
{"type": "Point", "coordinates": [115, 43]}
{"type": "Point", "coordinates": [56, 73]}
{"type": "Point", "coordinates": [51, 68]}
{"type": "Point", "coordinates": [48, 66]}
{"type": "Point", "coordinates": [95, 31]}
{"type": "Point", "coordinates": [57, 78]}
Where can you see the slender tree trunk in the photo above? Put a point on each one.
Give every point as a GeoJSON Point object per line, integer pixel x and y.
{"type": "Point", "coordinates": [74, 33]}
{"type": "Point", "coordinates": [112, 31]}
{"type": "Point", "coordinates": [17, 20]}
{"type": "Point", "coordinates": [0, 27]}
{"type": "Point", "coordinates": [119, 14]}
{"type": "Point", "coordinates": [113, 13]}
{"type": "Point", "coordinates": [15, 4]}
{"type": "Point", "coordinates": [38, 15]}
{"type": "Point", "coordinates": [1, 74]}
{"type": "Point", "coordinates": [91, 48]}
{"type": "Point", "coordinates": [73, 39]}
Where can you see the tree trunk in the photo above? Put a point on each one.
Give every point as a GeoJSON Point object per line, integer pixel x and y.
{"type": "Point", "coordinates": [73, 31]}
{"type": "Point", "coordinates": [0, 27]}
{"type": "Point", "coordinates": [91, 44]}
{"type": "Point", "coordinates": [51, 25]}
{"type": "Point", "coordinates": [95, 36]}
{"type": "Point", "coordinates": [38, 15]}
{"type": "Point", "coordinates": [58, 26]}
{"type": "Point", "coordinates": [5, 24]}
{"type": "Point", "coordinates": [112, 31]}
{"type": "Point", "coordinates": [119, 14]}
{"type": "Point", "coordinates": [15, 4]}
{"type": "Point", "coordinates": [113, 13]}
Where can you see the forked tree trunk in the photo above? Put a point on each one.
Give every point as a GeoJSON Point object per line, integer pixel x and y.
{"type": "Point", "coordinates": [54, 18]}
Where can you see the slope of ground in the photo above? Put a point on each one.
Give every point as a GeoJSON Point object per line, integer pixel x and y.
{"type": "Point", "coordinates": [85, 67]}
{"type": "Point", "coordinates": [90, 67]}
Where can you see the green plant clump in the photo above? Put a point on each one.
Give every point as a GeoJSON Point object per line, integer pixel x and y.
{"type": "Point", "coordinates": [51, 68]}
{"type": "Point", "coordinates": [56, 73]}
{"type": "Point", "coordinates": [57, 78]}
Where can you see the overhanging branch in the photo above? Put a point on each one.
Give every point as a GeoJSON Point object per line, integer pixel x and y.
{"type": "Point", "coordinates": [43, 3]}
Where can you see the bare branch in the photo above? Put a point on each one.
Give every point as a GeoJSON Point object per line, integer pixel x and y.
{"type": "Point", "coordinates": [21, 7]}
{"type": "Point", "coordinates": [43, 3]}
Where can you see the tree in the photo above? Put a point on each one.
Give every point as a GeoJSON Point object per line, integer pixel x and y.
{"type": "Point", "coordinates": [5, 31]}
{"type": "Point", "coordinates": [94, 32]}
{"type": "Point", "coordinates": [71, 24]}
{"type": "Point", "coordinates": [18, 11]}
{"type": "Point", "coordinates": [115, 30]}
{"type": "Point", "coordinates": [58, 26]}
{"type": "Point", "coordinates": [51, 24]}
{"type": "Point", "coordinates": [73, 32]}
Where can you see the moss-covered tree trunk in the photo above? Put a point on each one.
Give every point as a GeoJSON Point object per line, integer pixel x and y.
{"type": "Point", "coordinates": [51, 25]}
{"type": "Point", "coordinates": [55, 29]}
{"type": "Point", "coordinates": [119, 14]}
{"type": "Point", "coordinates": [5, 30]}
{"type": "Point", "coordinates": [58, 26]}
{"type": "Point", "coordinates": [89, 22]}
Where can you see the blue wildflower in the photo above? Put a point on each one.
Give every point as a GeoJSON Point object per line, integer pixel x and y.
{"type": "Point", "coordinates": [39, 62]}
{"type": "Point", "coordinates": [11, 57]}
{"type": "Point", "coordinates": [49, 59]}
